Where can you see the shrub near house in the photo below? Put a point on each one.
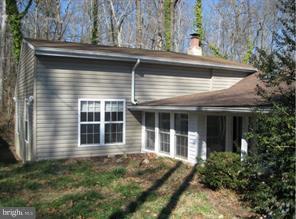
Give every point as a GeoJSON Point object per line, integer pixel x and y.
{"type": "Point", "coordinates": [221, 170]}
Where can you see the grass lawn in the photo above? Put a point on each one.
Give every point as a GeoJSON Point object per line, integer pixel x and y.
{"type": "Point", "coordinates": [118, 187]}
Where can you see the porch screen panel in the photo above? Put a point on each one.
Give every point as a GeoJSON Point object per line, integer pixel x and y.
{"type": "Point", "coordinates": [181, 128]}
{"type": "Point", "coordinates": [164, 132]}
{"type": "Point", "coordinates": [216, 133]}
{"type": "Point", "coordinates": [237, 134]}
{"type": "Point", "coordinates": [150, 131]}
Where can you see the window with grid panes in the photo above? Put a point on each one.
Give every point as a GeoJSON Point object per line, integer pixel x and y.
{"type": "Point", "coordinates": [90, 121]}
{"type": "Point", "coordinates": [181, 128]}
{"type": "Point", "coordinates": [113, 122]}
{"type": "Point", "coordinates": [164, 132]}
{"type": "Point", "coordinates": [150, 130]}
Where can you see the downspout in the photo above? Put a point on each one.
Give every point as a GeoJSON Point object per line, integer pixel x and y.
{"type": "Point", "coordinates": [133, 100]}
{"type": "Point", "coordinates": [29, 142]}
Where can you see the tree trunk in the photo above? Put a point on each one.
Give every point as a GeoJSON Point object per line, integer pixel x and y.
{"type": "Point", "coordinates": [113, 31]}
{"type": "Point", "coordinates": [12, 45]}
{"type": "Point", "coordinates": [94, 31]}
{"type": "Point", "coordinates": [2, 48]}
{"type": "Point", "coordinates": [159, 45]}
{"type": "Point", "coordinates": [173, 24]}
{"type": "Point", "coordinates": [58, 21]}
{"type": "Point", "coordinates": [36, 20]}
{"type": "Point", "coordinates": [139, 24]}
{"type": "Point", "coordinates": [198, 21]}
{"type": "Point", "coordinates": [167, 23]}
{"type": "Point", "coordinates": [113, 24]}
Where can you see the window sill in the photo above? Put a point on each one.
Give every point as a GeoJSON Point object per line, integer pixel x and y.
{"type": "Point", "coordinates": [163, 153]}
{"type": "Point", "coordinates": [149, 151]}
{"type": "Point", "coordinates": [178, 157]}
{"type": "Point", "coordinates": [100, 145]}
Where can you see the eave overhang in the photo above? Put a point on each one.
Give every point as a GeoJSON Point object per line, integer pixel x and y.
{"type": "Point", "coordinates": [263, 109]}
{"type": "Point", "coordinates": [113, 56]}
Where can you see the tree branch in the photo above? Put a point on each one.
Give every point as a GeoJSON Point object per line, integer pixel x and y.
{"type": "Point", "coordinates": [22, 14]}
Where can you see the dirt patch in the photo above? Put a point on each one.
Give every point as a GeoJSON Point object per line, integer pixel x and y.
{"type": "Point", "coordinates": [7, 149]}
{"type": "Point", "coordinates": [7, 153]}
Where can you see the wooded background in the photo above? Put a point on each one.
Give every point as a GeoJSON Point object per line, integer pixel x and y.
{"type": "Point", "coordinates": [231, 29]}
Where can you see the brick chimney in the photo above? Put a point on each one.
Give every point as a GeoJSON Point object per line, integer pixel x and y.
{"type": "Point", "coordinates": [194, 48]}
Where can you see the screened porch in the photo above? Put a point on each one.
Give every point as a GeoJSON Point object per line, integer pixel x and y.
{"type": "Point", "coordinates": [191, 135]}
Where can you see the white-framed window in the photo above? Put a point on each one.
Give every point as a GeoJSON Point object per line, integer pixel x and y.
{"type": "Point", "coordinates": [172, 135]}
{"type": "Point", "coordinates": [26, 121]}
{"type": "Point", "coordinates": [164, 132]}
{"type": "Point", "coordinates": [181, 133]}
{"type": "Point", "coordinates": [150, 131]}
{"type": "Point", "coordinates": [101, 122]}
{"type": "Point", "coordinates": [90, 117]}
{"type": "Point", "coordinates": [114, 122]}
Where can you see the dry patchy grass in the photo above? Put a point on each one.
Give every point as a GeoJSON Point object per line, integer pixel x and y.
{"type": "Point", "coordinates": [119, 187]}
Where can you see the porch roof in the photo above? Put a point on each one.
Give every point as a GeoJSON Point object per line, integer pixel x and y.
{"type": "Point", "coordinates": [241, 97]}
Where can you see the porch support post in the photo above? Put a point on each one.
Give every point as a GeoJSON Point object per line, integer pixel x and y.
{"type": "Point", "coordinates": [172, 135]}
{"type": "Point", "coordinates": [156, 132]}
{"type": "Point", "coordinates": [244, 143]}
{"type": "Point", "coordinates": [192, 137]}
{"type": "Point", "coordinates": [143, 132]}
{"type": "Point", "coordinates": [202, 136]}
{"type": "Point", "coordinates": [229, 133]}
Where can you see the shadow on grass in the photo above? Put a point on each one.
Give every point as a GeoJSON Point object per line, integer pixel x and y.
{"type": "Point", "coordinates": [6, 156]}
{"type": "Point", "coordinates": [75, 205]}
{"type": "Point", "coordinates": [133, 206]}
{"type": "Point", "coordinates": [168, 209]}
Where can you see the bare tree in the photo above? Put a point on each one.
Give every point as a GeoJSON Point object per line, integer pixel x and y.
{"type": "Point", "coordinates": [95, 31]}
{"type": "Point", "coordinates": [173, 7]}
{"type": "Point", "coordinates": [48, 19]}
{"type": "Point", "coordinates": [2, 46]}
{"type": "Point", "coordinates": [11, 48]}
{"type": "Point", "coordinates": [58, 21]}
{"type": "Point", "coordinates": [160, 37]}
{"type": "Point", "coordinates": [237, 27]}
{"type": "Point", "coordinates": [117, 19]}
{"type": "Point", "coordinates": [139, 24]}
{"type": "Point", "coordinates": [152, 35]}
{"type": "Point", "coordinates": [130, 23]}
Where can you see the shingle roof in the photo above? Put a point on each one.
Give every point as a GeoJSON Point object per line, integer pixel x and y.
{"type": "Point", "coordinates": [242, 94]}
{"type": "Point", "coordinates": [134, 52]}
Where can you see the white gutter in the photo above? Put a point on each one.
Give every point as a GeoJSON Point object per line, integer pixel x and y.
{"type": "Point", "coordinates": [29, 100]}
{"type": "Point", "coordinates": [133, 99]}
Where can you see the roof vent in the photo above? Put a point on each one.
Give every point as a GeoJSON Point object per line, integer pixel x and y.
{"type": "Point", "coordinates": [194, 48]}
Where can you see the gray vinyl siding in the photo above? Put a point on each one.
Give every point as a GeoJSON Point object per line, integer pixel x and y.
{"type": "Point", "coordinates": [60, 82]}
{"type": "Point", "coordinates": [25, 89]}
{"type": "Point", "coordinates": [160, 81]}
{"type": "Point", "coordinates": [225, 79]}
